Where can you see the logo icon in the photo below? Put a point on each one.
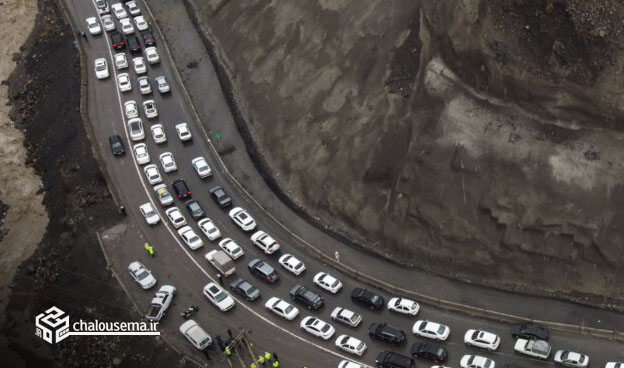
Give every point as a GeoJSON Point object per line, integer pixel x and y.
{"type": "Point", "coordinates": [52, 325]}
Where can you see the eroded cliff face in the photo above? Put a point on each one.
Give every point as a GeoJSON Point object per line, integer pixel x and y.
{"type": "Point", "coordinates": [475, 139]}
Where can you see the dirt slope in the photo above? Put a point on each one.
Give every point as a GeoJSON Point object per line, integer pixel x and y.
{"type": "Point", "coordinates": [475, 139]}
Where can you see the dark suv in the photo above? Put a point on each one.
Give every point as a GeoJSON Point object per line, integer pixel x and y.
{"type": "Point", "coordinates": [194, 209]}
{"type": "Point", "coordinates": [218, 194]}
{"type": "Point", "coordinates": [425, 350]}
{"type": "Point", "coordinates": [148, 39]}
{"type": "Point", "coordinates": [117, 41]}
{"type": "Point", "coordinates": [529, 331]}
{"type": "Point", "coordinates": [386, 332]}
{"type": "Point", "coordinates": [263, 270]}
{"type": "Point", "coordinates": [306, 296]}
{"type": "Point", "coordinates": [116, 145]}
{"type": "Point", "coordinates": [367, 298]}
{"type": "Point", "coordinates": [133, 45]}
{"type": "Point", "coordinates": [388, 359]}
{"type": "Point", "coordinates": [181, 189]}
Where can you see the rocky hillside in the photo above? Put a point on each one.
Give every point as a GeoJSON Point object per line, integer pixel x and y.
{"type": "Point", "coordinates": [475, 139]}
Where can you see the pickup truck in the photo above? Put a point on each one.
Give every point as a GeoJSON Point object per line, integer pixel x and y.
{"type": "Point", "coordinates": [221, 261]}
{"type": "Point", "coordinates": [160, 303]}
{"type": "Point", "coordinates": [535, 348]}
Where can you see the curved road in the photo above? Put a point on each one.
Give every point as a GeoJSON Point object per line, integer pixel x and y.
{"type": "Point", "coordinates": [189, 271]}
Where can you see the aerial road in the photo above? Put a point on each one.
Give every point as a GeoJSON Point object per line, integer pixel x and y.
{"type": "Point", "coordinates": [121, 104]}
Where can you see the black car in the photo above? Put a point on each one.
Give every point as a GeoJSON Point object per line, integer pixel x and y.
{"type": "Point", "coordinates": [181, 189]}
{"type": "Point", "coordinates": [117, 40]}
{"type": "Point", "coordinates": [218, 194]}
{"type": "Point", "coordinates": [194, 209]}
{"type": "Point", "coordinates": [263, 270]}
{"type": "Point", "coordinates": [306, 296]}
{"type": "Point", "coordinates": [389, 359]}
{"type": "Point", "coordinates": [116, 145]}
{"type": "Point", "coordinates": [386, 332]}
{"type": "Point", "coordinates": [245, 289]}
{"type": "Point", "coordinates": [426, 350]}
{"type": "Point", "coordinates": [134, 45]}
{"type": "Point", "coordinates": [368, 298]}
{"type": "Point", "coordinates": [529, 331]}
{"type": "Point", "coordinates": [148, 39]}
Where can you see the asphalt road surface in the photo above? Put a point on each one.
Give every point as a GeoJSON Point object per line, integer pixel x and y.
{"type": "Point", "coordinates": [189, 271]}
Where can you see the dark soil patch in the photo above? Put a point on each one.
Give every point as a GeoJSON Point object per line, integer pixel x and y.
{"type": "Point", "coordinates": [67, 269]}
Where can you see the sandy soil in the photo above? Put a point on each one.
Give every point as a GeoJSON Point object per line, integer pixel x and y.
{"type": "Point", "coordinates": [26, 218]}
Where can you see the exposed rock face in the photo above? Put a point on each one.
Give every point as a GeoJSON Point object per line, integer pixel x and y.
{"type": "Point", "coordinates": [477, 139]}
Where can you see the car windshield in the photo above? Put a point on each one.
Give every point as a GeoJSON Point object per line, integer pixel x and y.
{"type": "Point", "coordinates": [222, 295]}
{"type": "Point", "coordinates": [441, 330]}
{"type": "Point", "coordinates": [335, 283]}
{"type": "Point", "coordinates": [298, 266]}
{"type": "Point", "coordinates": [375, 298]}
{"type": "Point", "coordinates": [202, 168]}
{"type": "Point", "coordinates": [144, 274]}
{"type": "Point", "coordinates": [150, 213]}
{"type": "Point", "coordinates": [243, 216]}
{"type": "Point", "coordinates": [354, 317]}
{"type": "Point", "coordinates": [193, 239]}
{"type": "Point", "coordinates": [488, 364]}
{"type": "Point", "coordinates": [100, 67]}
{"type": "Point", "coordinates": [360, 346]}
{"type": "Point", "coordinates": [325, 328]}
{"type": "Point", "coordinates": [288, 309]}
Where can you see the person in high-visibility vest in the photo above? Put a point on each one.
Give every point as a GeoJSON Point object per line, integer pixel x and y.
{"type": "Point", "coordinates": [275, 364]}
{"type": "Point", "coordinates": [149, 249]}
{"type": "Point", "coordinates": [261, 359]}
{"type": "Point", "coordinates": [253, 365]}
{"type": "Point", "coordinates": [228, 352]}
{"type": "Point", "coordinates": [267, 356]}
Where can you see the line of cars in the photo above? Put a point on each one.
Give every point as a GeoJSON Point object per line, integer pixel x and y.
{"type": "Point", "coordinates": [216, 294]}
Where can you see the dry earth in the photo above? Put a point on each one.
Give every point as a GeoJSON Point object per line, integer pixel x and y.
{"type": "Point", "coordinates": [474, 139]}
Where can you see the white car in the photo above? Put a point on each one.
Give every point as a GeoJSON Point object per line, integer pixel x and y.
{"type": "Point", "coordinates": [346, 317]}
{"type": "Point", "coordinates": [282, 308]}
{"type": "Point", "coordinates": [126, 26]}
{"type": "Point", "coordinates": [614, 365]}
{"type": "Point", "coordinates": [162, 193]}
{"type": "Point", "coordinates": [219, 297]}
{"type": "Point", "coordinates": [108, 22]}
{"type": "Point", "coordinates": [190, 237]}
{"type": "Point", "coordinates": [476, 361]}
{"type": "Point", "coordinates": [431, 330]}
{"type": "Point", "coordinates": [152, 174]}
{"type": "Point", "coordinates": [317, 327]}
{"type": "Point", "coordinates": [102, 6]}
{"type": "Point", "coordinates": [201, 167]}
{"type": "Point", "coordinates": [151, 217]}
{"type": "Point", "coordinates": [133, 8]}
{"type": "Point", "coordinates": [150, 109]}
{"type": "Point", "coordinates": [101, 68]}
{"type": "Point", "coordinates": [94, 26]}
{"type": "Point", "coordinates": [403, 306]}
{"type": "Point", "coordinates": [482, 339]}
{"type": "Point", "coordinates": [123, 80]}
{"type": "Point", "coordinates": [130, 108]}
{"type": "Point", "coordinates": [119, 11]}
{"type": "Point", "coordinates": [571, 359]}
{"type": "Point", "coordinates": [261, 239]}
{"type": "Point", "coordinates": [139, 65]}
{"type": "Point", "coordinates": [152, 55]}
{"type": "Point", "coordinates": [230, 247]}
{"type": "Point", "coordinates": [327, 282]}
{"type": "Point", "coordinates": [158, 133]}
{"type": "Point", "coordinates": [183, 132]}
{"type": "Point", "coordinates": [348, 364]}
{"type": "Point", "coordinates": [195, 334]}
{"type": "Point", "coordinates": [144, 85]}
{"type": "Point", "coordinates": [141, 275]}
{"type": "Point", "coordinates": [167, 162]}
{"type": "Point", "coordinates": [175, 217]}
{"type": "Point", "coordinates": [121, 61]}
{"type": "Point", "coordinates": [163, 86]}
{"type": "Point", "coordinates": [141, 154]}
{"type": "Point", "coordinates": [209, 229]}
{"type": "Point", "coordinates": [351, 345]}
{"type": "Point", "coordinates": [135, 128]}
{"type": "Point", "coordinates": [292, 264]}
{"type": "Point", "coordinates": [140, 22]}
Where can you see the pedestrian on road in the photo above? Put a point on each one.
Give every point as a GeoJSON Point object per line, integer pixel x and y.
{"type": "Point", "coordinates": [275, 357]}
{"type": "Point", "coordinates": [149, 249]}
{"type": "Point", "coordinates": [84, 35]}
{"type": "Point", "coordinates": [275, 364]}
{"type": "Point", "coordinates": [267, 356]}
{"type": "Point", "coordinates": [230, 333]}
{"type": "Point", "coordinates": [261, 360]}
{"type": "Point", "coordinates": [122, 210]}
{"type": "Point", "coordinates": [220, 277]}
